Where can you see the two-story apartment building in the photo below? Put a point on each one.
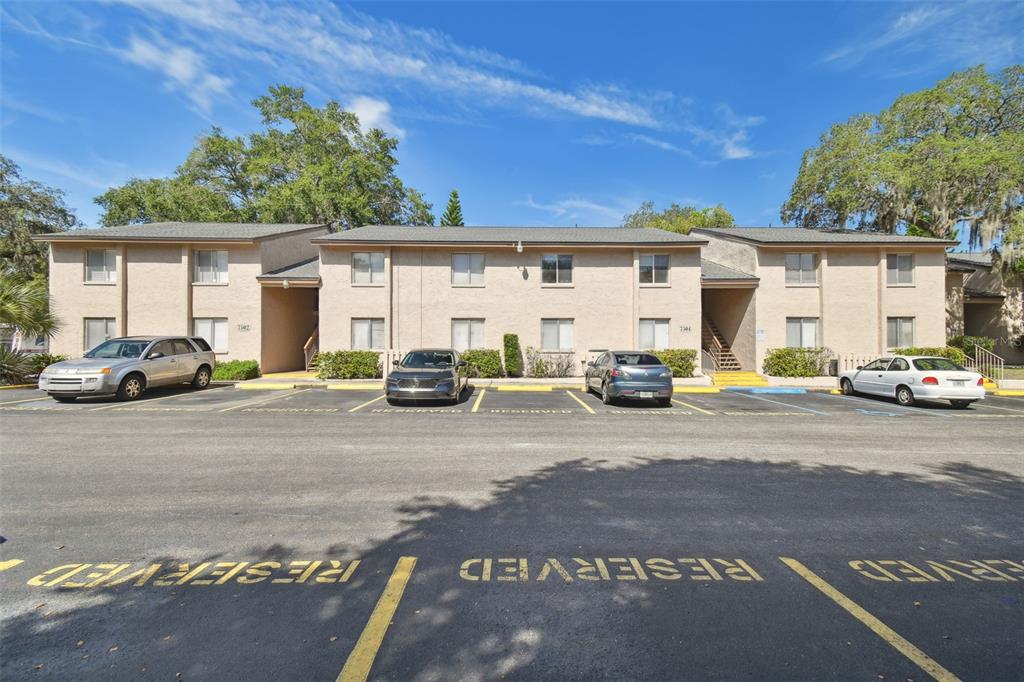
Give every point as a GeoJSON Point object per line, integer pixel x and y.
{"type": "Point", "coordinates": [185, 278]}
{"type": "Point", "coordinates": [983, 300]}
{"type": "Point", "coordinates": [562, 290]}
{"type": "Point", "coordinates": [852, 292]}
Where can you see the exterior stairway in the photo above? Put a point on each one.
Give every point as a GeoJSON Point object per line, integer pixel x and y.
{"type": "Point", "coordinates": [311, 349]}
{"type": "Point", "coordinates": [714, 343]}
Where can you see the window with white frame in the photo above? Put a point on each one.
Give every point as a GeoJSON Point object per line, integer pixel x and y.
{"type": "Point", "coordinates": [899, 269]}
{"type": "Point", "coordinates": [653, 334]}
{"type": "Point", "coordinates": [556, 268]}
{"type": "Point", "coordinates": [468, 269]}
{"type": "Point", "coordinates": [101, 266]}
{"type": "Point", "coordinates": [98, 330]}
{"type": "Point", "coordinates": [368, 333]}
{"type": "Point", "coordinates": [899, 332]}
{"type": "Point", "coordinates": [368, 267]}
{"type": "Point", "coordinates": [214, 330]}
{"type": "Point", "coordinates": [211, 267]}
{"type": "Point", "coordinates": [801, 268]}
{"type": "Point", "coordinates": [467, 334]}
{"type": "Point", "coordinates": [654, 268]}
{"type": "Point", "coordinates": [556, 334]}
{"type": "Point", "coordinates": [802, 332]}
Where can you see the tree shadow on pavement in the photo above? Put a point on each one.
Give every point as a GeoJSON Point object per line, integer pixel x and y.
{"type": "Point", "coordinates": [450, 628]}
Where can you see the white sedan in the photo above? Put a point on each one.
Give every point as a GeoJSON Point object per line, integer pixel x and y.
{"type": "Point", "coordinates": [914, 377]}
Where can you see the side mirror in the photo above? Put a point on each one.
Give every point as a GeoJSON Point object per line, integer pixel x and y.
{"type": "Point", "coordinates": [462, 363]}
{"type": "Point", "coordinates": [860, 366]}
{"type": "Point", "coordinates": [154, 355]}
{"type": "Point", "coordinates": [394, 363]}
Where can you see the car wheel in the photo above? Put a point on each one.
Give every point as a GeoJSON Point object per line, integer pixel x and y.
{"type": "Point", "coordinates": [846, 386]}
{"type": "Point", "coordinates": [961, 404]}
{"type": "Point", "coordinates": [391, 401]}
{"type": "Point", "coordinates": [202, 378]}
{"type": "Point", "coordinates": [606, 397]}
{"type": "Point", "coordinates": [63, 398]}
{"type": "Point", "coordinates": [904, 396]}
{"type": "Point", "coordinates": [665, 402]}
{"type": "Point", "coordinates": [131, 387]}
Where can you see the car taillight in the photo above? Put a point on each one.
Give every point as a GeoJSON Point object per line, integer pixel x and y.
{"type": "Point", "coordinates": [981, 381]}
{"type": "Point", "coordinates": [620, 373]}
{"type": "Point", "coordinates": [931, 381]}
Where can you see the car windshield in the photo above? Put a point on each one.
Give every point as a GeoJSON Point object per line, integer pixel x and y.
{"type": "Point", "coordinates": [428, 359]}
{"type": "Point", "coordinates": [636, 359]}
{"type": "Point", "coordinates": [118, 348]}
{"type": "Point", "coordinates": [937, 365]}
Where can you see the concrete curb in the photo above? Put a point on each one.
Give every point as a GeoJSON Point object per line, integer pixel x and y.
{"type": "Point", "coordinates": [19, 386]}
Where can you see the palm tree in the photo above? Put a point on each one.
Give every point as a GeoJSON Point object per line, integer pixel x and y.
{"type": "Point", "coordinates": [25, 306]}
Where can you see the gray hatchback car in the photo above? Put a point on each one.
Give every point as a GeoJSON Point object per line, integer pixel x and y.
{"type": "Point", "coordinates": [127, 366]}
{"type": "Point", "coordinates": [629, 374]}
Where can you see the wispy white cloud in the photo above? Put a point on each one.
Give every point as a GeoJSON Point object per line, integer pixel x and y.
{"type": "Point", "coordinates": [959, 34]}
{"type": "Point", "coordinates": [577, 208]}
{"type": "Point", "coordinates": [183, 68]}
{"type": "Point", "coordinates": [374, 113]}
{"type": "Point", "coordinates": [13, 103]}
{"type": "Point", "coordinates": [660, 144]}
{"type": "Point", "coordinates": [86, 177]}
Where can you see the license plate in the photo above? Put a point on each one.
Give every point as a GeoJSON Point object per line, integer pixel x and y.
{"type": "Point", "coordinates": [646, 394]}
{"type": "Point", "coordinates": [957, 382]}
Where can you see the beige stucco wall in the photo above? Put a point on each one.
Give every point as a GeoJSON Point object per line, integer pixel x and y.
{"type": "Point", "coordinates": [238, 301]}
{"type": "Point", "coordinates": [604, 299]}
{"type": "Point", "coordinates": [73, 299]}
{"type": "Point", "coordinates": [288, 319]}
{"type": "Point", "coordinates": [288, 249]}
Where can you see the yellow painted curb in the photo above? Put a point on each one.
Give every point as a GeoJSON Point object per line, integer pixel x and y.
{"type": "Point", "coordinates": [1009, 391]}
{"type": "Point", "coordinates": [19, 386]}
{"type": "Point", "coordinates": [355, 387]}
{"type": "Point", "coordinates": [265, 386]}
{"type": "Point", "coordinates": [696, 389]}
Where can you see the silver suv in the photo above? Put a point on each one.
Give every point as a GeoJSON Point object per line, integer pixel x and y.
{"type": "Point", "coordinates": [127, 366]}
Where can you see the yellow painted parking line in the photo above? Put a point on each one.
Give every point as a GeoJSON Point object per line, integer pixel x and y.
{"type": "Point", "coordinates": [479, 398]}
{"type": "Point", "coordinates": [586, 407]}
{"type": "Point", "coordinates": [355, 387]}
{"type": "Point", "coordinates": [357, 667]}
{"type": "Point", "coordinates": [10, 563]}
{"type": "Point", "coordinates": [693, 407]}
{"type": "Point", "coordinates": [368, 402]}
{"type": "Point", "coordinates": [1008, 392]}
{"type": "Point", "coordinates": [891, 637]}
{"type": "Point", "coordinates": [26, 400]}
{"type": "Point", "coordinates": [260, 401]}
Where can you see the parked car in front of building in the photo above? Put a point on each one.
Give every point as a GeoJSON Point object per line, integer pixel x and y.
{"type": "Point", "coordinates": [427, 374]}
{"type": "Point", "coordinates": [629, 374]}
{"type": "Point", "coordinates": [127, 367]}
{"type": "Point", "coordinates": [909, 378]}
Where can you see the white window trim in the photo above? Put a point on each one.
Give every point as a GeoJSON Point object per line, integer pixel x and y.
{"type": "Point", "coordinates": [668, 271]}
{"type": "Point", "coordinates": [913, 270]}
{"type": "Point", "coordinates": [913, 331]}
{"type": "Point", "coordinates": [195, 268]}
{"type": "Point", "coordinates": [370, 320]}
{"type": "Point", "coordinates": [802, 319]}
{"type": "Point", "coordinates": [213, 342]}
{"type": "Point", "coordinates": [371, 283]}
{"type": "Point", "coordinates": [85, 269]}
{"type": "Point", "coordinates": [655, 321]}
{"type": "Point", "coordinates": [556, 284]}
{"type": "Point", "coordinates": [85, 331]}
{"type": "Point", "coordinates": [817, 270]}
{"type": "Point", "coordinates": [560, 321]}
{"type": "Point", "coordinates": [469, 336]}
{"type": "Point", "coordinates": [483, 270]}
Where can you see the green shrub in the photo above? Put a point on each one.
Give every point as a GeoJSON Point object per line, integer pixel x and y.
{"type": "Point", "coordinates": [40, 361]}
{"type": "Point", "coordinates": [482, 363]}
{"type": "Point", "coordinates": [967, 343]}
{"type": "Point", "coordinates": [954, 354]}
{"type": "Point", "coordinates": [682, 361]}
{"type": "Point", "coordinates": [348, 364]}
{"type": "Point", "coordinates": [236, 370]}
{"type": "Point", "coordinates": [797, 362]}
{"type": "Point", "coordinates": [14, 366]}
{"type": "Point", "coordinates": [513, 355]}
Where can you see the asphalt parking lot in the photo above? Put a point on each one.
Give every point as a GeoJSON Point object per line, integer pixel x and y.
{"type": "Point", "coordinates": [502, 401]}
{"type": "Point", "coordinates": [321, 534]}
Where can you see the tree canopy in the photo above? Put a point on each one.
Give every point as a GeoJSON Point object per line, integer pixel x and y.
{"type": "Point", "coordinates": [28, 208]}
{"type": "Point", "coordinates": [947, 161]}
{"type": "Point", "coordinates": [678, 218]}
{"type": "Point", "coordinates": [453, 212]}
{"type": "Point", "coordinates": [308, 165]}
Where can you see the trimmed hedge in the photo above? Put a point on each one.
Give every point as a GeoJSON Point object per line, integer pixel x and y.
{"type": "Point", "coordinates": [348, 364]}
{"type": "Point", "coordinates": [236, 370]}
{"type": "Point", "coordinates": [513, 355]}
{"type": "Point", "coordinates": [483, 363]}
{"type": "Point", "coordinates": [682, 361]}
{"type": "Point", "coordinates": [797, 362]}
{"type": "Point", "coordinates": [40, 361]}
{"type": "Point", "coordinates": [967, 343]}
{"type": "Point", "coordinates": [954, 354]}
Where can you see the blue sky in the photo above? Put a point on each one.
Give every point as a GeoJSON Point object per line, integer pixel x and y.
{"type": "Point", "coordinates": [539, 114]}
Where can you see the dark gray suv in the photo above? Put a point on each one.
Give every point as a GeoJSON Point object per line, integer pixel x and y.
{"type": "Point", "coordinates": [427, 374]}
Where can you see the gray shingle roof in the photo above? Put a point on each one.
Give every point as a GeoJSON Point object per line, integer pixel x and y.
{"type": "Point", "coordinates": [307, 269]}
{"type": "Point", "coordinates": [184, 232]}
{"type": "Point", "coordinates": [712, 270]}
{"type": "Point", "coordinates": [508, 235]}
{"type": "Point", "coordinates": [984, 258]}
{"type": "Point", "coordinates": [800, 235]}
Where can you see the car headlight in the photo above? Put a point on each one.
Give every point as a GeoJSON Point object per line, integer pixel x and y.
{"type": "Point", "coordinates": [665, 375]}
{"type": "Point", "coordinates": [84, 370]}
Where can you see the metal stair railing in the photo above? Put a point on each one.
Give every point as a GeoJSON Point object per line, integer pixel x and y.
{"type": "Point", "coordinates": [987, 364]}
{"type": "Point", "coordinates": [311, 348]}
